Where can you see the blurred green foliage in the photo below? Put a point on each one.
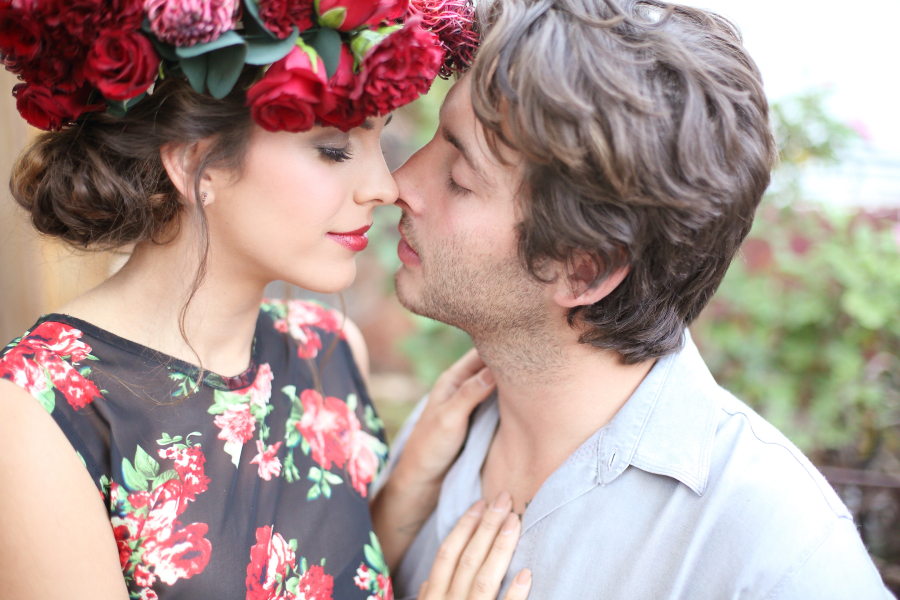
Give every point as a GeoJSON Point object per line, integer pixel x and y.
{"type": "Point", "coordinates": [805, 326]}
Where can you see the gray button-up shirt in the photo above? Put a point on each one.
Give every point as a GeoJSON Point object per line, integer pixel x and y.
{"type": "Point", "coordinates": [686, 493]}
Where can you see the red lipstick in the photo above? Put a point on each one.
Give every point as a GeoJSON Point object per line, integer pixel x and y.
{"type": "Point", "coordinates": [356, 240]}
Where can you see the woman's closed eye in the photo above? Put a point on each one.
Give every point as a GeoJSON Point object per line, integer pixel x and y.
{"type": "Point", "coordinates": [333, 154]}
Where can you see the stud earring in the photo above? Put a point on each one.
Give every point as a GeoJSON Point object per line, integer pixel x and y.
{"type": "Point", "coordinates": [203, 199]}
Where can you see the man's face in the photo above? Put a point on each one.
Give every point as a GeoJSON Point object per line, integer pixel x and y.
{"type": "Point", "coordinates": [459, 246]}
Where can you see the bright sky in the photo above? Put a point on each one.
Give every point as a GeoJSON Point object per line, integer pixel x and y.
{"type": "Point", "coordinates": [853, 47]}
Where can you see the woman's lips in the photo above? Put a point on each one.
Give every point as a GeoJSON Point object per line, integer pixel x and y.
{"type": "Point", "coordinates": [407, 255]}
{"type": "Point", "coordinates": [353, 240]}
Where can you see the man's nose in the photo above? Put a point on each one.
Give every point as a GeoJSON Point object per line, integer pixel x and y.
{"type": "Point", "coordinates": [409, 178]}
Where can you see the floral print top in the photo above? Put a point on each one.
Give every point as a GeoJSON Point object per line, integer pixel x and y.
{"type": "Point", "coordinates": [251, 487]}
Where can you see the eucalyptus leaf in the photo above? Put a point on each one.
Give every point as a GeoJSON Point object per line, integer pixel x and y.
{"type": "Point", "coordinates": [264, 50]}
{"type": "Point", "coordinates": [227, 39]}
{"type": "Point", "coordinates": [165, 51]}
{"type": "Point", "coordinates": [327, 44]}
{"type": "Point", "coordinates": [255, 23]}
{"type": "Point", "coordinates": [195, 70]}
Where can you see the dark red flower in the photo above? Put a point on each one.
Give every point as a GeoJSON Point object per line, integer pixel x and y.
{"type": "Point", "coordinates": [122, 64]}
{"type": "Point", "coordinates": [345, 86]}
{"type": "Point", "coordinates": [78, 391]}
{"type": "Point", "coordinates": [20, 35]}
{"type": "Point", "coordinates": [287, 97]}
{"type": "Point", "coordinates": [270, 560]}
{"type": "Point", "coordinates": [122, 534]}
{"type": "Point", "coordinates": [181, 555]}
{"type": "Point", "coordinates": [400, 69]}
{"type": "Point", "coordinates": [280, 16]}
{"type": "Point", "coordinates": [453, 21]}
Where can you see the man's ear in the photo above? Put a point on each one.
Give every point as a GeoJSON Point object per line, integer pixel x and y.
{"type": "Point", "coordinates": [179, 161]}
{"type": "Point", "coordinates": [578, 285]}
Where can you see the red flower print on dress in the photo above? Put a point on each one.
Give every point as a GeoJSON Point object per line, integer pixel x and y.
{"type": "Point", "coordinates": [325, 426]}
{"type": "Point", "coordinates": [237, 424]}
{"type": "Point", "coordinates": [362, 579]}
{"type": "Point", "coordinates": [300, 319]}
{"type": "Point", "coordinates": [261, 390]}
{"type": "Point", "coordinates": [362, 464]}
{"type": "Point", "coordinates": [42, 361]}
{"type": "Point", "coordinates": [153, 544]}
{"type": "Point", "coordinates": [315, 584]}
{"type": "Point", "coordinates": [272, 573]}
{"type": "Point", "coordinates": [269, 464]}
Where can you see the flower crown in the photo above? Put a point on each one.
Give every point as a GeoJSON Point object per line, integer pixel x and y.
{"type": "Point", "coordinates": [334, 62]}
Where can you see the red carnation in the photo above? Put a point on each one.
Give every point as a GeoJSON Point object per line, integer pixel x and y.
{"type": "Point", "coordinates": [51, 110]}
{"type": "Point", "coordinates": [122, 64]}
{"type": "Point", "coordinates": [315, 584]}
{"type": "Point", "coordinates": [280, 16]}
{"type": "Point", "coordinates": [345, 86]}
{"type": "Point", "coordinates": [286, 98]}
{"type": "Point", "coordinates": [401, 68]}
{"type": "Point", "coordinates": [453, 21]}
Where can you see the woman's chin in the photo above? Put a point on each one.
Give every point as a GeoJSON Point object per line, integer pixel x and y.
{"type": "Point", "coordinates": [330, 280]}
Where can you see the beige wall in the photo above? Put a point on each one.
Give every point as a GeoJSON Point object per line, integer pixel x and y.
{"type": "Point", "coordinates": [37, 275]}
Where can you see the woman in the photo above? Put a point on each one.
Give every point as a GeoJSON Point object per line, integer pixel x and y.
{"type": "Point", "coordinates": [232, 447]}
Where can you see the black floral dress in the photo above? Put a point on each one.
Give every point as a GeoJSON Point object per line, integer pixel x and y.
{"type": "Point", "coordinates": [252, 486]}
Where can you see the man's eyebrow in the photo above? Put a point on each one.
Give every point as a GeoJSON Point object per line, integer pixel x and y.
{"type": "Point", "coordinates": [464, 150]}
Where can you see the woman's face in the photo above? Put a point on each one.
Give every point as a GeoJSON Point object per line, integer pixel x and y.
{"type": "Point", "coordinates": [300, 211]}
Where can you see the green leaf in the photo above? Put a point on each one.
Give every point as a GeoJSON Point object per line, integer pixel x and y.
{"type": "Point", "coordinates": [375, 559]}
{"type": "Point", "coordinates": [293, 437]}
{"type": "Point", "coordinates": [304, 446]}
{"type": "Point", "coordinates": [145, 464]}
{"type": "Point", "coordinates": [163, 477]}
{"type": "Point", "coordinates": [373, 421]}
{"type": "Point", "coordinates": [234, 450]}
{"type": "Point", "coordinates": [352, 402]}
{"type": "Point", "coordinates": [225, 66]}
{"type": "Point", "coordinates": [290, 391]}
{"type": "Point", "coordinates": [327, 43]}
{"type": "Point", "coordinates": [292, 585]}
{"type": "Point", "coordinates": [85, 371]}
{"type": "Point", "coordinates": [366, 39]}
{"type": "Point", "coordinates": [255, 24]}
{"type": "Point", "coordinates": [315, 474]}
{"type": "Point", "coordinates": [165, 51]}
{"type": "Point", "coordinates": [165, 440]}
{"type": "Point", "coordinates": [195, 69]}
{"type": "Point", "coordinates": [222, 401]}
{"type": "Point", "coordinates": [134, 481]}
{"type": "Point", "coordinates": [264, 50]}
{"type": "Point", "coordinates": [334, 18]}
{"type": "Point", "coordinates": [313, 492]}
{"type": "Point", "coordinates": [47, 398]}
{"type": "Point", "coordinates": [226, 40]}
{"type": "Point", "coordinates": [332, 478]}
{"type": "Point", "coordinates": [304, 566]}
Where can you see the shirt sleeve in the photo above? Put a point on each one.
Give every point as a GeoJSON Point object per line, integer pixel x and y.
{"type": "Point", "coordinates": [398, 444]}
{"type": "Point", "coordinates": [839, 569]}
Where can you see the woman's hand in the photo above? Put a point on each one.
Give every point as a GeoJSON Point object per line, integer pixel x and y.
{"type": "Point", "coordinates": [474, 558]}
{"type": "Point", "coordinates": [411, 493]}
{"type": "Point", "coordinates": [441, 430]}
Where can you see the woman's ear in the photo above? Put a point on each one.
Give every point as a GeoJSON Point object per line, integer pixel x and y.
{"type": "Point", "coordinates": [578, 284]}
{"type": "Point", "coordinates": [180, 160]}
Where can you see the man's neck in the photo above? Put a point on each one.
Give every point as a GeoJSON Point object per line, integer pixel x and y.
{"type": "Point", "coordinates": [550, 403]}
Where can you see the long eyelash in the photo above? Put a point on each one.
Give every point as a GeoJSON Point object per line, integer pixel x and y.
{"type": "Point", "coordinates": [455, 187]}
{"type": "Point", "coordinates": [338, 155]}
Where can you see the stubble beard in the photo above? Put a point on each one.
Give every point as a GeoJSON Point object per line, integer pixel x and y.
{"type": "Point", "coordinates": [496, 302]}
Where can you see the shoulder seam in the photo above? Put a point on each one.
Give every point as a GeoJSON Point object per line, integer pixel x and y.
{"type": "Point", "coordinates": [793, 456]}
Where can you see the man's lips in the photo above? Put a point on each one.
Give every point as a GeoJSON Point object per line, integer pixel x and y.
{"type": "Point", "coordinates": [356, 240]}
{"type": "Point", "coordinates": [407, 255]}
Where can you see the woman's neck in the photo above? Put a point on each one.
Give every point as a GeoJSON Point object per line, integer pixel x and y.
{"type": "Point", "coordinates": [143, 302]}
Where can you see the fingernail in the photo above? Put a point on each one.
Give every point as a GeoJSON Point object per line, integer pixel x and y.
{"type": "Point", "coordinates": [509, 525]}
{"type": "Point", "coordinates": [477, 508]}
{"type": "Point", "coordinates": [523, 578]}
{"type": "Point", "coordinates": [486, 377]}
{"type": "Point", "coordinates": [503, 502]}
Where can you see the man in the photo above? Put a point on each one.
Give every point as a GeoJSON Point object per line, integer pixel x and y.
{"type": "Point", "coordinates": [590, 182]}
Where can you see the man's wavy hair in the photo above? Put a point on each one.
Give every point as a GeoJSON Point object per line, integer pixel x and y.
{"type": "Point", "coordinates": [645, 134]}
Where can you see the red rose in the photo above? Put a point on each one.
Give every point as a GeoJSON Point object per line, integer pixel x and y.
{"type": "Point", "coordinates": [51, 110]}
{"type": "Point", "coordinates": [285, 99]}
{"type": "Point", "coordinates": [326, 427]}
{"type": "Point", "coordinates": [281, 16]}
{"type": "Point", "coordinates": [401, 68]}
{"type": "Point", "coordinates": [347, 15]}
{"type": "Point", "coordinates": [362, 462]}
{"type": "Point", "coordinates": [20, 35]}
{"type": "Point", "coordinates": [189, 464]}
{"type": "Point", "coordinates": [78, 391]}
{"type": "Point", "coordinates": [345, 87]}
{"type": "Point", "coordinates": [60, 339]}
{"type": "Point", "coordinates": [122, 534]}
{"type": "Point", "coordinates": [315, 584]}
{"type": "Point", "coordinates": [122, 64]}
{"type": "Point", "coordinates": [181, 555]}
{"type": "Point", "coordinates": [270, 559]}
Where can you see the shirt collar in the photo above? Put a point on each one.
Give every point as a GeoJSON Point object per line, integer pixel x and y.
{"type": "Point", "coordinates": [668, 425]}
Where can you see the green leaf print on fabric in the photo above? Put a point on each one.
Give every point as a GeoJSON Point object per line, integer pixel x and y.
{"type": "Point", "coordinates": [374, 577]}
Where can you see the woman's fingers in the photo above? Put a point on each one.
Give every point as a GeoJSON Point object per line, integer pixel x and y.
{"type": "Point", "coordinates": [519, 588]}
{"type": "Point", "coordinates": [454, 377]}
{"type": "Point", "coordinates": [487, 581]}
{"type": "Point", "coordinates": [496, 527]}
{"type": "Point", "coordinates": [450, 550]}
